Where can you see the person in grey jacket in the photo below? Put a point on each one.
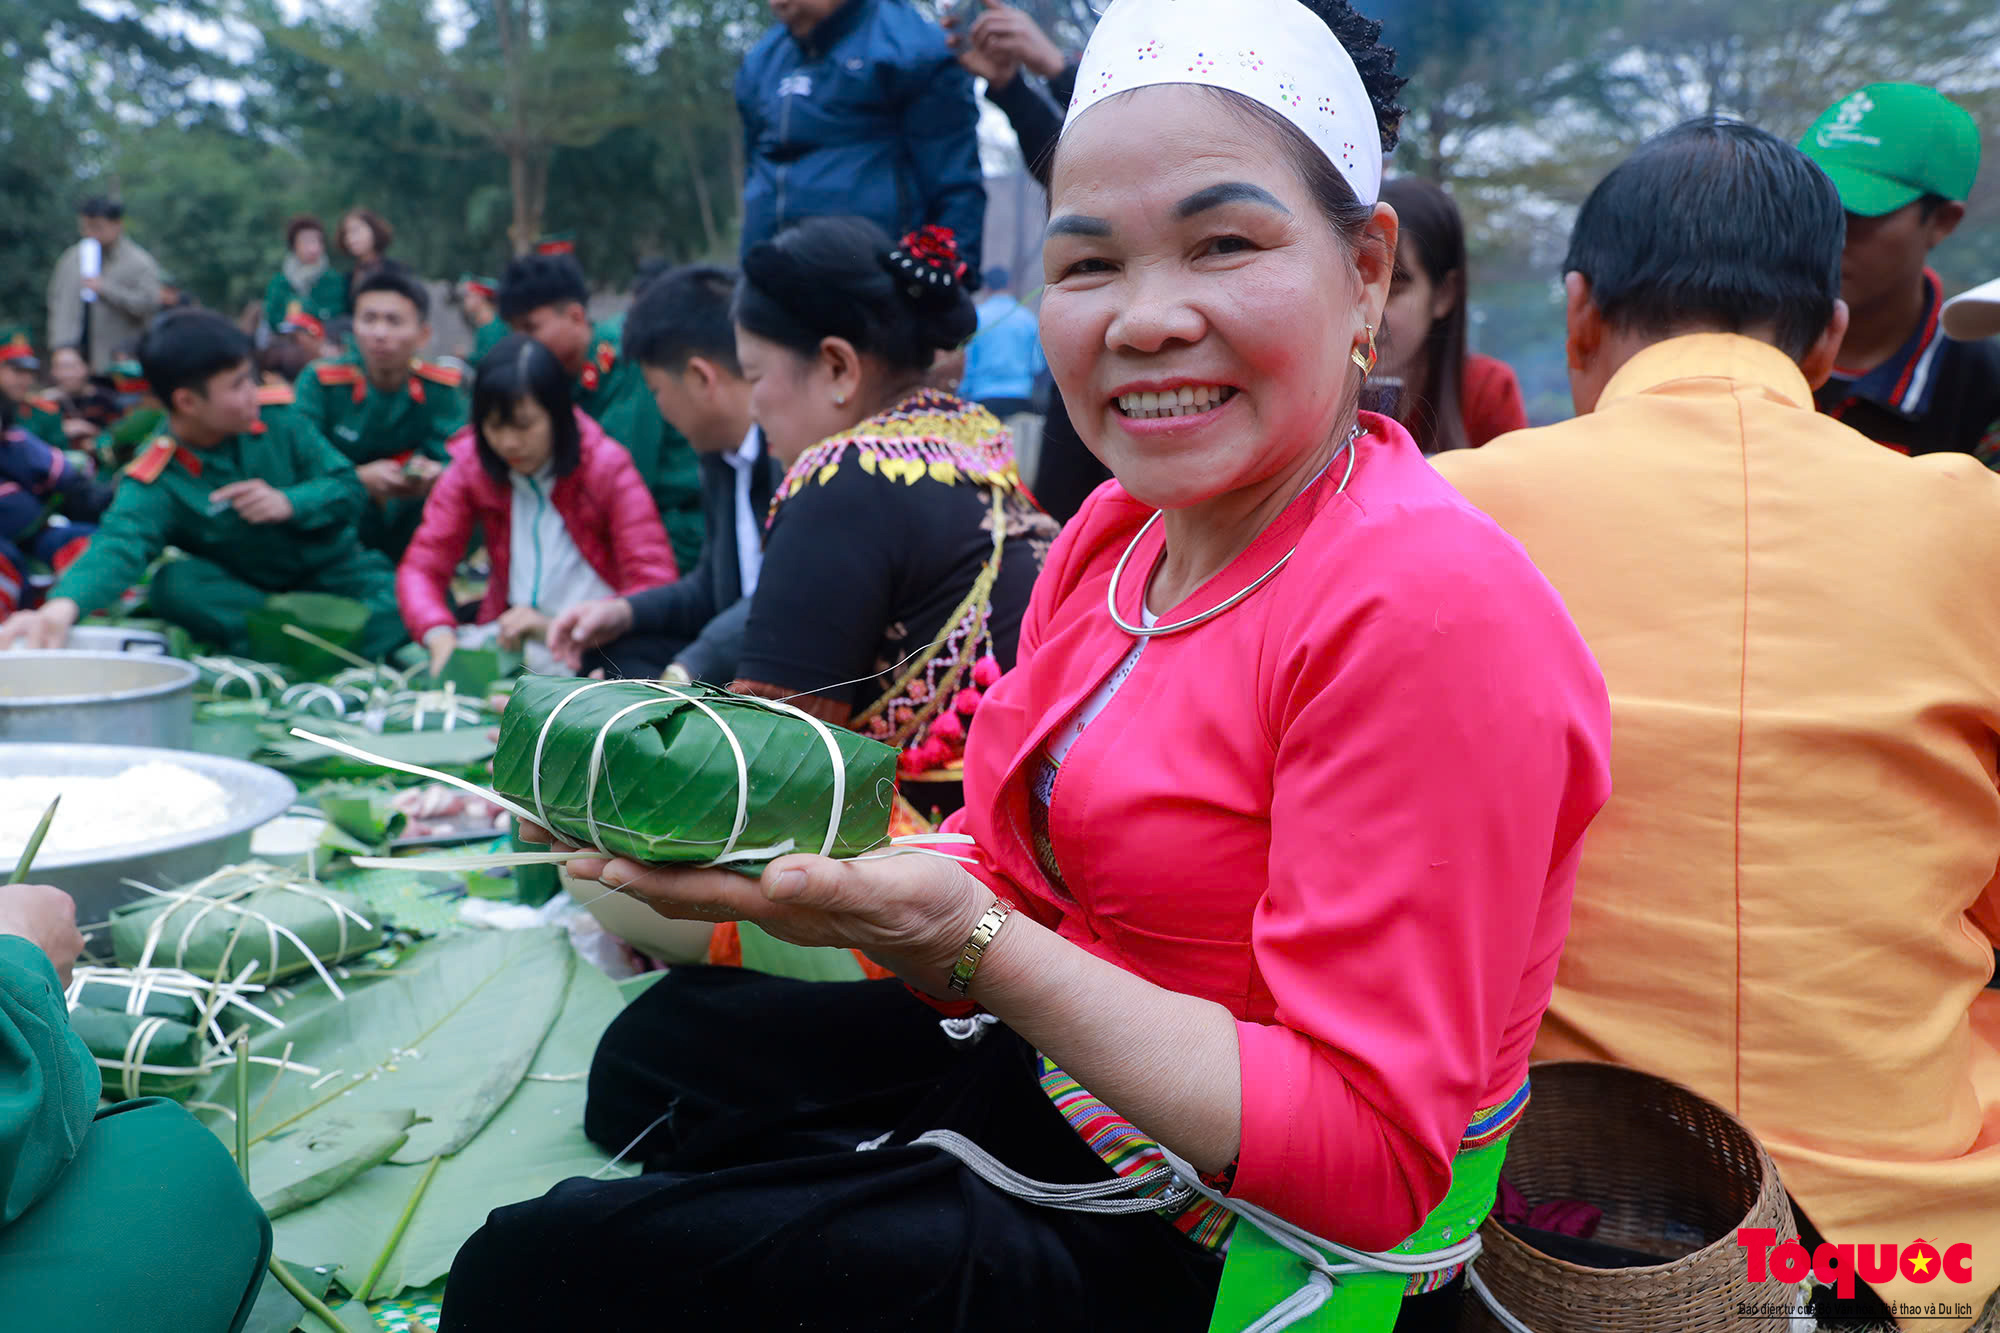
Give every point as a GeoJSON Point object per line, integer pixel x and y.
{"type": "Point", "coordinates": [102, 312]}
{"type": "Point", "coordinates": [680, 334]}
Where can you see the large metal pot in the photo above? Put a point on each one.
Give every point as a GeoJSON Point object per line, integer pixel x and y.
{"type": "Point", "coordinates": [95, 878]}
{"type": "Point", "coordinates": [92, 698]}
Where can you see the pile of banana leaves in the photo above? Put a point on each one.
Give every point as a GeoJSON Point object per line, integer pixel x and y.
{"type": "Point", "coordinates": [247, 709]}
{"type": "Point", "coordinates": [383, 1107]}
{"type": "Point", "coordinates": [448, 1084]}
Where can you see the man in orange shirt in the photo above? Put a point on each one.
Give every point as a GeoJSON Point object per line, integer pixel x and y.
{"type": "Point", "coordinates": [1789, 903]}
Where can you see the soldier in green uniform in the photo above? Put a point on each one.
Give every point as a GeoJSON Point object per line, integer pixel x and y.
{"type": "Point", "coordinates": [143, 419]}
{"type": "Point", "coordinates": [388, 410]}
{"type": "Point", "coordinates": [35, 412]}
{"type": "Point", "coordinates": [544, 296]}
{"type": "Point", "coordinates": [305, 284]}
{"type": "Point", "coordinates": [479, 298]}
{"type": "Point", "coordinates": [258, 505]}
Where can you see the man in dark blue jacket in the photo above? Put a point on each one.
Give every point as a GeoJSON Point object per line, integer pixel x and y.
{"type": "Point", "coordinates": [859, 107]}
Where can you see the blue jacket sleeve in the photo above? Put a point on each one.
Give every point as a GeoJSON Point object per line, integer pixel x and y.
{"type": "Point", "coordinates": [940, 126]}
{"type": "Point", "coordinates": [48, 1082]}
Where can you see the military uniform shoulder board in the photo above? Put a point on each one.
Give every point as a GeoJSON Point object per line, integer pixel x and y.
{"type": "Point", "coordinates": [151, 461]}
{"type": "Point", "coordinates": [336, 372]}
{"type": "Point", "coordinates": [449, 376]}
{"type": "Point", "coordinates": [276, 395]}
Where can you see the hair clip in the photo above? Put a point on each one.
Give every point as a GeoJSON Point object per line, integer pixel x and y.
{"type": "Point", "coordinates": [926, 260]}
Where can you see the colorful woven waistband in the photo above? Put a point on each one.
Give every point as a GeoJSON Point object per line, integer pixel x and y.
{"type": "Point", "coordinates": [1495, 1122]}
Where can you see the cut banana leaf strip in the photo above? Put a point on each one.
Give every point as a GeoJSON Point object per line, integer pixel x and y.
{"type": "Point", "coordinates": [535, 1142]}
{"type": "Point", "coordinates": [306, 1164]}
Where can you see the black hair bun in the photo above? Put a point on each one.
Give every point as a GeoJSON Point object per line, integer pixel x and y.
{"type": "Point", "coordinates": [1374, 62]}
{"type": "Point", "coordinates": [927, 270]}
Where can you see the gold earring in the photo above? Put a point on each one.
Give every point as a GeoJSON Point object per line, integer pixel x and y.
{"type": "Point", "coordinates": [1365, 360]}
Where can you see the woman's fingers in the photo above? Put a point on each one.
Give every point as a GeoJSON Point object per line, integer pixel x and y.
{"type": "Point", "coordinates": [696, 895]}
{"type": "Point", "coordinates": [533, 832]}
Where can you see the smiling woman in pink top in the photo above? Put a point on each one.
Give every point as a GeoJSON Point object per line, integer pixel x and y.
{"type": "Point", "coordinates": [1276, 819]}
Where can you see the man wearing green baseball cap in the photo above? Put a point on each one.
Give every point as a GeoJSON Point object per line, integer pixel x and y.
{"type": "Point", "coordinates": [1904, 158]}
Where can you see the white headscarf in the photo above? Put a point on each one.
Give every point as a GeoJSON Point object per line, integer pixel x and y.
{"type": "Point", "coordinates": [1275, 52]}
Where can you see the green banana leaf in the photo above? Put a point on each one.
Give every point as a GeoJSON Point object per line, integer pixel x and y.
{"type": "Point", "coordinates": [277, 1312]}
{"type": "Point", "coordinates": [668, 786]}
{"type": "Point", "coordinates": [363, 812]}
{"type": "Point", "coordinates": [464, 751]}
{"type": "Point", "coordinates": [448, 1034]}
{"type": "Point", "coordinates": [153, 1045]}
{"type": "Point", "coordinates": [304, 1165]}
{"type": "Point", "coordinates": [241, 915]}
{"type": "Point", "coordinates": [534, 1142]}
{"type": "Point", "coordinates": [476, 670]}
{"type": "Point", "coordinates": [338, 620]}
{"type": "Point", "coordinates": [114, 996]}
{"type": "Point", "coordinates": [766, 953]}
{"type": "Point", "coordinates": [233, 728]}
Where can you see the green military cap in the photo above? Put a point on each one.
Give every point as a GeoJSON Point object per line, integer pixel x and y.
{"type": "Point", "coordinates": [558, 243]}
{"type": "Point", "coordinates": [17, 347]}
{"type": "Point", "coordinates": [1891, 144]}
{"type": "Point", "coordinates": [486, 287]}
{"type": "Point", "coordinates": [128, 376]}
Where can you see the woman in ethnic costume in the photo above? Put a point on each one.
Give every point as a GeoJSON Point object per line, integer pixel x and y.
{"type": "Point", "coordinates": [901, 549]}
{"type": "Point", "coordinates": [1275, 822]}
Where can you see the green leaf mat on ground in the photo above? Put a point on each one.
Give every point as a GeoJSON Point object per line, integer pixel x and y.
{"type": "Point", "coordinates": [304, 1165]}
{"type": "Point", "coordinates": [276, 1311]}
{"type": "Point", "coordinates": [668, 787]}
{"type": "Point", "coordinates": [447, 1034]}
{"type": "Point", "coordinates": [535, 1141]}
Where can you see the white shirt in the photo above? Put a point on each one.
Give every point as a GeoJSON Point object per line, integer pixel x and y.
{"type": "Point", "coordinates": [744, 460]}
{"type": "Point", "coordinates": [545, 569]}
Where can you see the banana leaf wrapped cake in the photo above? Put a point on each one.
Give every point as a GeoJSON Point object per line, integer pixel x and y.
{"type": "Point", "coordinates": [690, 774]}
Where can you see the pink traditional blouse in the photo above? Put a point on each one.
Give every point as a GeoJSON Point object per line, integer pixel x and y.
{"type": "Point", "coordinates": [1349, 810]}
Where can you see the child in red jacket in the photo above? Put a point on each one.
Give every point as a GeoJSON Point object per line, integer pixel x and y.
{"type": "Point", "coordinates": [562, 509]}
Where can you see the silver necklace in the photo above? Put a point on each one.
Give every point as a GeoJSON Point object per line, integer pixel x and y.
{"type": "Point", "coordinates": [1154, 631]}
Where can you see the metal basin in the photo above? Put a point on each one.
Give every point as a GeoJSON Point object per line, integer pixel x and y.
{"type": "Point", "coordinates": [256, 795]}
{"type": "Point", "coordinates": [97, 698]}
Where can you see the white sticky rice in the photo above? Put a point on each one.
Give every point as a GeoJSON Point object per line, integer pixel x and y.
{"type": "Point", "coordinates": [146, 801]}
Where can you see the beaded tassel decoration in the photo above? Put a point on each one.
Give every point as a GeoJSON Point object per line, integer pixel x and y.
{"type": "Point", "coordinates": [933, 437]}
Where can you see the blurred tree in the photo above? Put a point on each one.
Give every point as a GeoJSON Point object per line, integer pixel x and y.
{"type": "Point", "coordinates": [526, 77]}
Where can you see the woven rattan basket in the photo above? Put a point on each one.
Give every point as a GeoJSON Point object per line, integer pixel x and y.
{"type": "Point", "coordinates": [1674, 1174]}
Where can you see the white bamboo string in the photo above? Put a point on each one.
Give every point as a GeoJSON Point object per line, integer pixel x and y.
{"type": "Point", "coordinates": [260, 877]}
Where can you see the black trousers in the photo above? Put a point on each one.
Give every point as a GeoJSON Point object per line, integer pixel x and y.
{"type": "Point", "coordinates": [748, 1096]}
